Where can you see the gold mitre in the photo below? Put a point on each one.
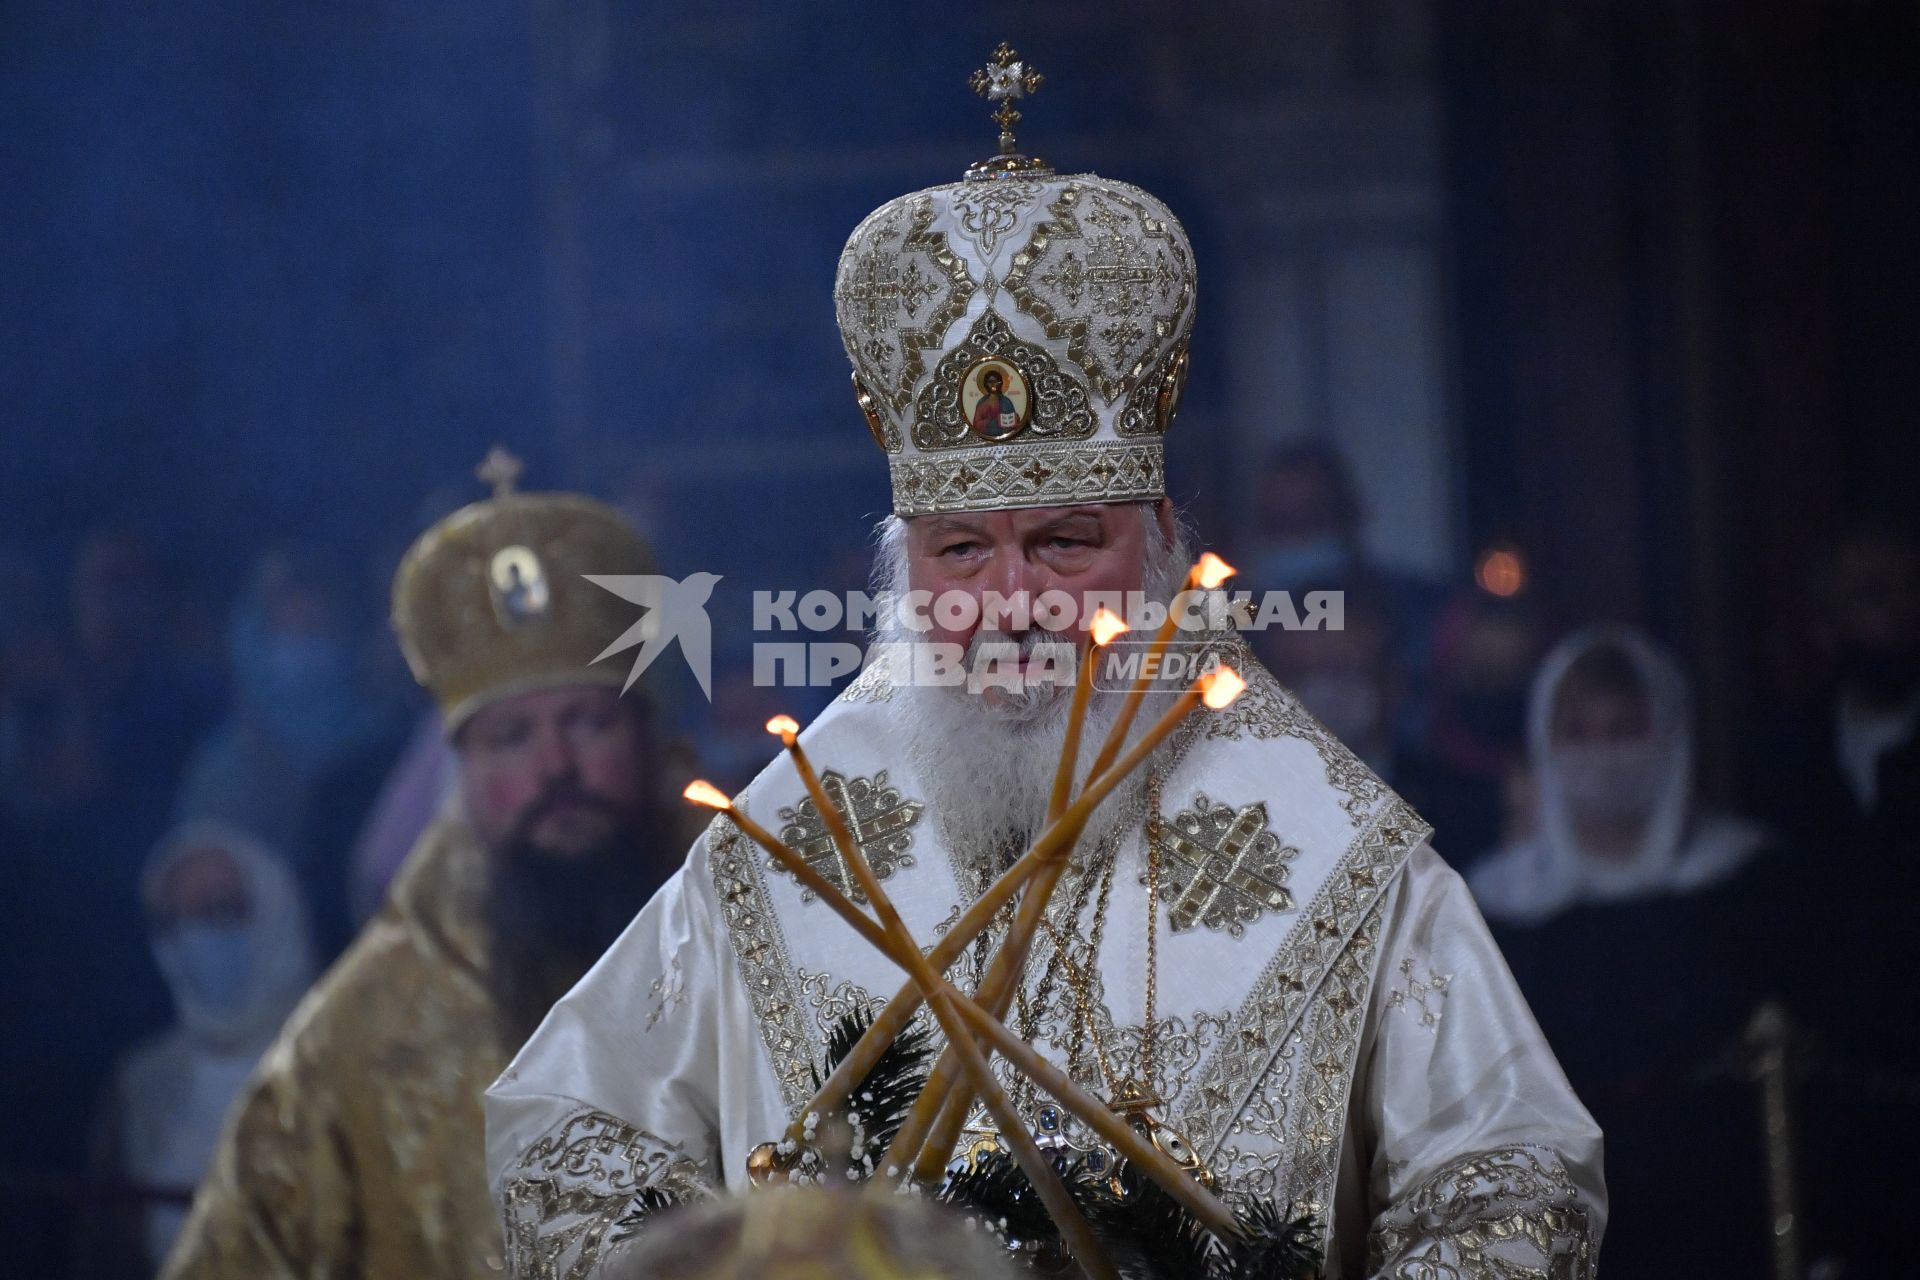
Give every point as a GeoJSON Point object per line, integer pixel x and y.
{"type": "Point", "coordinates": [1018, 338]}
{"type": "Point", "coordinates": [491, 601]}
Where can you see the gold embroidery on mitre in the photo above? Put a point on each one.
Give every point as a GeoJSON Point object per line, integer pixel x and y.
{"type": "Point", "coordinates": [1107, 277]}
{"type": "Point", "coordinates": [898, 288]}
{"type": "Point", "coordinates": [1225, 867]}
{"type": "Point", "coordinates": [884, 433]}
{"type": "Point", "coordinates": [880, 817]}
{"type": "Point", "coordinates": [1056, 406]}
{"type": "Point", "coordinates": [1083, 286]}
{"type": "Point", "coordinates": [983, 212]}
{"type": "Point", "coordinates": [1150, 409]}
{"type": "Point", "coordinates": [1026, 475]}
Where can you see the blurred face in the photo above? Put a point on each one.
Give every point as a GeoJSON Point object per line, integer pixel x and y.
{"type": "Point", "coordinates": [115, 599]}
{"type": "Point", "coordinates": [1877, 596]}
{"type": "Point", "coordinates": [1585, 717]}
{"type": "Point", "coordinates": [1343, 677]}
{"type": "Point", "coordinates": [1300, 502]}
{"type": "Point", "coordinates": [563, 769]}
{"type": "Point", "coordinates": [1610, 768]}
{"type": "Point", "coordinates": [202, 887]}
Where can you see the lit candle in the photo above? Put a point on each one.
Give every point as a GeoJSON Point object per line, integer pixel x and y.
{"type": "Point", "coordinates": [1104, 628]}
{"type": "Point", "coordinates": [1217, 689]}
{"type": "Point", "coordinates": [942, 1111]}
{"type": "Point", "coordinates": [895, 1015]}
{"type": "Point", "coordinates": [705, 793]}
{"type": "Point", "coordinates": [905, 952]}
{"type": "Point", "coordinates": [1207, 574]}
{"type": "Point", "coordinates": [1098, 1117]}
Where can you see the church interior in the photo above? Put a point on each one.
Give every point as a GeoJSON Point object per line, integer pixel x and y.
{"type": "Point", "coordinates": [1533, 329]}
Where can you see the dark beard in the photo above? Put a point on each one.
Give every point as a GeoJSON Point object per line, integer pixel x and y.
{"type": "Point", "coordinates": [550, 916]}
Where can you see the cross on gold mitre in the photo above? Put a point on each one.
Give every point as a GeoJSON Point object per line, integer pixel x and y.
{"type": "Point", "coordinates": [501, 469]}
{"type": "Point", "coordinates": [1005, 79]}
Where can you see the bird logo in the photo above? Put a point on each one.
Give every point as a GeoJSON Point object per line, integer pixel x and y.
{"type": "Point", "coordinates": [675, 610]}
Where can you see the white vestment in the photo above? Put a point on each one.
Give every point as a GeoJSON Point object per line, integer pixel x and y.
{"type": "Point", "coordinates": [1336, 1028]}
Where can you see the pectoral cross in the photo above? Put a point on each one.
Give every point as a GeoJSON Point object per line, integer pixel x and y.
{"type": "Point", "coordinates": [1004, 80]}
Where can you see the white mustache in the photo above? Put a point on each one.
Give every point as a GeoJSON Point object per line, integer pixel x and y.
{"type": "Point", "coordinates": [1030, 644]}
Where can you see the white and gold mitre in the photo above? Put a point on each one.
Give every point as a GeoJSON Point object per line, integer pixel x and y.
{"type": "Point", "coordinates": [1018, 338]}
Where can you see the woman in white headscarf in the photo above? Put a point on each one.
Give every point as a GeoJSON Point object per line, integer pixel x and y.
{"type": "Point", "coordinates": [231, 938]}
{"type": "Point", "coordinates": [1644, 932]}
{"type": "Point", "coordinates": [1610, 756]}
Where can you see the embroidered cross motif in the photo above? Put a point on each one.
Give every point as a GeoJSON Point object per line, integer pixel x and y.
{"type": "Point", "coordinates": [1225, 868]}
{"type": "Point", "coordinates": [670, 988]}
{"type": "Point", "coordinates": [1415, 994]}
{"type": "Point", "coordinates": [880, 292]}
{"type": "Point", "coordinates": [881, 819]}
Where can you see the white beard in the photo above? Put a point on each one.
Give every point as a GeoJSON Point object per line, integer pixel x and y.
{"type": "Point", "coordinates": [989, 771]}
{"type": "Point", "coordinates": [988, 768]}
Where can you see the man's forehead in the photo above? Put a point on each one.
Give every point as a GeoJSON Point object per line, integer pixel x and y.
{"type": "Point", "coordinates": [1017, 518]}
{"type": "Point", "coordinates": [536, 702]}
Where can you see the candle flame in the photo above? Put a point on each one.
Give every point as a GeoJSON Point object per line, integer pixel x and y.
{"type": "Point", "coordinates": [1211, 571]}
{"type": "Point", "coordinates": [700, 791]}
{"type": "Point", "coordinates": [1219, 688]}
{"type": "Point", "coordinates": [1106, 626]}
{"type": "Point", "coordinates": [783, 726]}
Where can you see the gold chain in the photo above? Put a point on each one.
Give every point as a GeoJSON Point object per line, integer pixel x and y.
{"type": "Point", "coordinates": [1080, 981]}
{"type": "Point", "coordinates": [1150, 1036]}
{"type": "Point", "coordinates": [1029, 1014]}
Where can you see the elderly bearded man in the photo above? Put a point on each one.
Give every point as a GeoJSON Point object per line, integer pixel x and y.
{"type": "Point", "coordinates": [356, 1150]}
{"type": "Point", "coordinates": [1253, 931]}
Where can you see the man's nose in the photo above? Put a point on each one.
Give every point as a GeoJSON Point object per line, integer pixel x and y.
{"type": "Point", "coordinates": [553, 755]}
{"type": "Point", "coordinates": [1019, 580]}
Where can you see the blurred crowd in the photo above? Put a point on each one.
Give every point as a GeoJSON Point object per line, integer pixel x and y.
{"type": "Point", "coordinates": [201, 800]}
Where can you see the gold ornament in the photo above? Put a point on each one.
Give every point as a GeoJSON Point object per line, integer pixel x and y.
{"type": "Point", "coordinates": [490, 602]}
{"type": "Point", "coordinates": [1005, 80]}
{"type": "Point", "coordinates": [1057, 391]}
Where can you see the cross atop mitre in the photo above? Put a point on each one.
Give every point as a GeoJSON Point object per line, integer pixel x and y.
{"type": "Point", "coordinates": [1005, 79]}
{"type": "Point", "coordinates": [501, 469]}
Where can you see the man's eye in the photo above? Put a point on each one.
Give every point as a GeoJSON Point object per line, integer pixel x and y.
{"type": "Point", "coordinates": [1063, 543]}
{"type": "Point", "coordinates": [960, 549]}
{"type": "Point", "coordinates": [503, 739]}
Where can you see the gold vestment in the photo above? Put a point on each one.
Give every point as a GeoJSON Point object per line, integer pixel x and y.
{"type": "Point", "coordinates": [357, 1148]}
